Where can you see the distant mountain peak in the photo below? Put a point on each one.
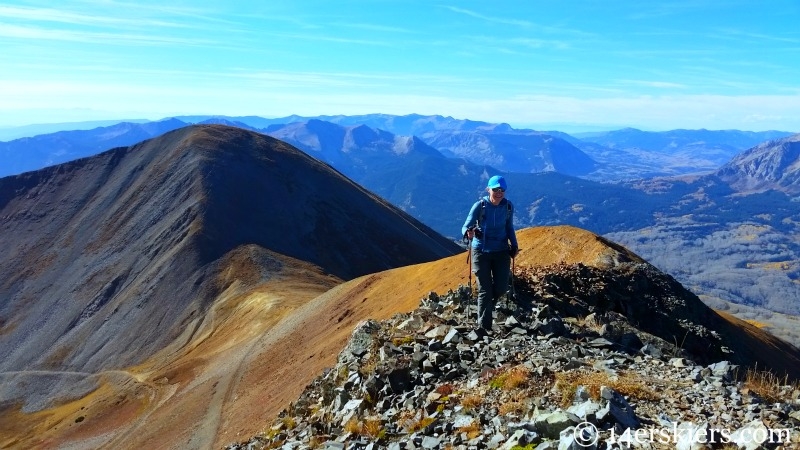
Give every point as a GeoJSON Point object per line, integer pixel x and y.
{"type": "Point", "coordinates": [771, 165]}
{"type": "Point", "coordinates": [513, 152]}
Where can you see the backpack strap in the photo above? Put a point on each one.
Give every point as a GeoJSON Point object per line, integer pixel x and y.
{"type": "Point", "coordinates": [509, 210]}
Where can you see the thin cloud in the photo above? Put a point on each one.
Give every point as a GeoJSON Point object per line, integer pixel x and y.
{"type": "Point", "coordinates": [520, 23]}
{"type": "Point", "coordinates": [294, 21]}
{"type": "Point", "coordinates": [679, 53]}
{"type": "Point", "coordinates": [373, 27]}
{"type": "Point", "coordinates": [540, 43]}
{"type": "Point", "coordinates": [328, 38]}
{"type": "Point", "coordinates": [517, 45]}
{"type": "Point", "coordinates": [149, 9]}
{"type": "Point", "coordinates": [662, 9]}
{"type": "Point", "coordinates": [500, 20]}
{"type": "Point", "coordinates": [72, 18]}
{"type": "Point", "coordinates": [655, 84]}
{"type": "Point", "coordinates": [37, 33]}
{"type": "Point", "coordinates": [732, 34]}
{"type": "Point", "coordinates": [357, 80]}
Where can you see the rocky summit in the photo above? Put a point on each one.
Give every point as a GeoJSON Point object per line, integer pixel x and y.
{"type": "Point", "coordinates": [563, 368]}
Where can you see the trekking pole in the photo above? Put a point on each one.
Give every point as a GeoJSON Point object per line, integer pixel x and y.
{"type": "Point", "coordinates": [469, 269]}
{"type": "Point", "coordinates": [469, 265]}
{"type": "Point", "coordinates": [513, 289]}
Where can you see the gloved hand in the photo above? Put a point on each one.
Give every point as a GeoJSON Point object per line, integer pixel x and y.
{"type": "Point", "coordinates": [513, 251]}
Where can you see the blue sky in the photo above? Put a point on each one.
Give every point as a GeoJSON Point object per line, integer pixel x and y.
{"type": "Point", "coordinates": [654, 65]}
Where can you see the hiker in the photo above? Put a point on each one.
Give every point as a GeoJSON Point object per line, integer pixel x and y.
{"type": "Point", "coordinates": [490, 231]}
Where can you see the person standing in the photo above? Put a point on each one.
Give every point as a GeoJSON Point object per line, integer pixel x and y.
{"type": "Point", "coordinates": [490, 229]}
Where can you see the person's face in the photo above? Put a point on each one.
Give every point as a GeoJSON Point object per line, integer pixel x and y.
{"type": "Point", "coordinates": [496, 194]}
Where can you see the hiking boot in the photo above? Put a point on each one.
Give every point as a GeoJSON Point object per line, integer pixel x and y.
{"type": "Point", "coordinates": [482, 332]}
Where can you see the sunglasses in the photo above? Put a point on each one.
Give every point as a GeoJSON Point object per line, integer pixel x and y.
{"type": "Point", "coordinates": [498, 189]}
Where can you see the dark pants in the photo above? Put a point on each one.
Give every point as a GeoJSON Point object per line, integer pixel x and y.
{"type": "Point", "coordinates": [492, 271]}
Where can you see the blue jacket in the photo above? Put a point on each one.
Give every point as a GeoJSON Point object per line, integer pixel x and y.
{"type": "Point", "coordinates": [497, 227]}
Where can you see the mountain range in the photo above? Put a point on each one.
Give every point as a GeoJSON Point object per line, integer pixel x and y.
{"type": "Point", "coordinates": [630, 153]}
{"type": "Point", "coordinates": [35, 152]}
{"type": "Point", "coordinates": [180, 292]}
{"type": "Point", "coordinates": [736, 220]}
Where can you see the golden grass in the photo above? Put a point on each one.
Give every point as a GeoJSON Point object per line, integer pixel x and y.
{"type": "Point", "coordinates": [373, 427]}
{"type": "Point", "coordinates": [749, 232]}
{"type": "Point", "coordinates": [472, 430]}
{"type": "Point", "coordinates": [514, 378]}
{"type": "Point", "coordinates": [289, 422]}
{"type": "Point", "coordinates": [629, 384]}
{"type": "Point", "coordinates": [353, 426]}
{"type": "Point", "coordinates": [402, 340]}
{"type": "Point", "coordinates": [767, 385]}
{"type": "Point", "coordinates": [368, 366]}
{"type": "Point", "coordinates": [315, 441]}
{"type": "Point", "coordinates": [779, 265]}
{"type": "Point", "coordinates": [420, 424]}
{"type": "Point", "coordinates": [756, 323]}
{"type": "Point", "coordinates": [513, 407]}
{"type": "Point", "coordinates": [590, 322]}
{"type": "Point", "coordinates": [472, 401]}
{"type": "Point", "coordinates": [414, 421]}
{"type": "Point", "coordinates": [370, 427]}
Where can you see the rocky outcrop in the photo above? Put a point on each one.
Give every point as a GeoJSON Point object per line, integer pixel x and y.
{"type": "Point", "coordinates": [548, 376]}
{"type": "Point", "coordinates": [514, 152]}
{"type": "Point", "coordinates": [771, 165]}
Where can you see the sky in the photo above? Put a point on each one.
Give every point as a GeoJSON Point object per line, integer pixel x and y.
{"type": "Point", "coordinates": [569, 65]}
